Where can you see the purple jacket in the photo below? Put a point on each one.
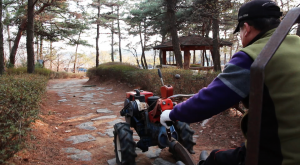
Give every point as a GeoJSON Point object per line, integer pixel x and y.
{"type": "Point", "coordinates": [228, 89]}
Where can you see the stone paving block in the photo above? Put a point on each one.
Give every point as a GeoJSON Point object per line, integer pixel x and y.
{"type": "Point", "coordinates": [71, 150]}
{"type": "Point", "coordinates": [102, 134]}
{"type": "Point", "coordinates": [118, 103]}
{"type": "Point", "coordinates": [112, 161]}
{"type": "Point", "coordinates": [88, 96]}
{"type": "Point", "coordinates": [100, 88]}
{"type": "Point", "coordinates": [81, 138]}
{"type": "Point", "coordinates": [103, 111]}
{"type": "Point", "coordinates": [88, 115]}
{"type": "Point", "coordinates": [84, 155]}
{"type": "Point", "coordinates": [110, 132]}
{"type": "Point", "coordinates": [112, 123]}
{"type": "Point", "coordinates": [160, 161]}
{"type": "Point", "coordinates": [104, 117]}
{"type": "Point", "coordinates": [87, 126]}
{"type": "Point", "coordinates": [107, 93]}
{"type": "Point", "coordinates": [153, 152]}
{"type": "Point", "coordinates": [63, 100]}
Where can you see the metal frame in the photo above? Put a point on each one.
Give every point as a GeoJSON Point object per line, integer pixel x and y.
{"type": "Point", "coordinates": [257, 84]}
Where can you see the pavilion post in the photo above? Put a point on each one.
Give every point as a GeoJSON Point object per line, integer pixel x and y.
{"type": "Point", "coordinates": [164, 57]}
{"type": "Point", "coordinates": [187, 58]}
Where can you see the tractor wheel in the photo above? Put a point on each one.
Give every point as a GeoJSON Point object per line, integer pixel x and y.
{"type": "Point", "coordinates": [124, 144]}
{"type": "Point", "coordinates": [185, 136]}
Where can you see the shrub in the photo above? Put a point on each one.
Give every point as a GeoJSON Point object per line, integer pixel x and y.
{"type": "Point", "coordinates": [112, 70]}
{"type": "Point", "coordinates": [20, 96]}
{"type": "Point", "coordinates": [195, 65]}
{"type": "Point", "coordinates": [149, 79]}
{"type": "Point", "coordinates": [63, 75]}
{"type": "Point", "coordinates": [23, 70]}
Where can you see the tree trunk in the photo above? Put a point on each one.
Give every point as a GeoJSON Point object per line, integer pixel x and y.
{"type": "Point", "coordinates": [207, 62]}
{"type": "Point", "coordinates": [207, 29]}
{"type": "Point", "coordinates": [172, 25]}
{"type": "Point", "coordinates": [76, 52]}
{"type": "Point", "coordinates": [203, 58]}
{"type": "Point", "coordinates": [41, 47]}
{"type": "Point", "coordinates": [8, 35]}
{"type": "Point", "coordinates": [144, 65]}
{"type": "Point", "coordinates": [163, 38]}
{"type": "Point", "coordinates": [22, 27]}
{"type": "Point", "coordinates": [112, 38]}
{"type": "Point", "coordinates": [119, 31]}
{"type": "Point", "coordinates": [194, 57]}
{"type": "Point", "coordinates": [216, 45]}
{"type": "Point", "coordinates": [37, 47]}
{"type": "Point", "coordinates": [1, 42]}
{"type": "Point", "coordinates": [14, 49]}
{"type": "Point", "coordinates": [29, 43]}
{"type": "Point", "coordinates": [97, 38]}
{"type": "Point", "coordinates": [298, 30]}
{"type": "Point", "coordinates": [57, 63]}
{"type": "Point", "coordinates": [51, 56]}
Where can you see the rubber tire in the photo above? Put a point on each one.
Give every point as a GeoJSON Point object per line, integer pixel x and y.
{"type": "Point", "coordinates": [127, 145]}
{"type": "Point", "coordinates": [185, 135]}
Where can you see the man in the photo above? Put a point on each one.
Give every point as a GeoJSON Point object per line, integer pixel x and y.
{"type": "Point", "coordinates": [280, 129]}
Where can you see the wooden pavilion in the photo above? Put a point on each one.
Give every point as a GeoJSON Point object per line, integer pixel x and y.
{"type": "Point", "coordinates": [187, 43]}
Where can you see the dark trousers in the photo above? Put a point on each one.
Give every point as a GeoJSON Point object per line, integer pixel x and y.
{"type": "Point", "coordinates": [226, 157]}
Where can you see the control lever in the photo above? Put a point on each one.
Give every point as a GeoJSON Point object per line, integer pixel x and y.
{"type": "Point", "coordinates": [169, 123]}
{"type": "Point", "coordinates": [160, 75]}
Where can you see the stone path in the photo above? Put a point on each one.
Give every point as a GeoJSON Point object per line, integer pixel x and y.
{"type": "Point", "coordinates": [91, 121]}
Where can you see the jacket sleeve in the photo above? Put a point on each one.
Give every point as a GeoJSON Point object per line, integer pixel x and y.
{"type": "Point", "coordinates": [230, 87]}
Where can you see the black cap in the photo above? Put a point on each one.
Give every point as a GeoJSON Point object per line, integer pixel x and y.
{"type": "Point", "coordinates": [258, 9]}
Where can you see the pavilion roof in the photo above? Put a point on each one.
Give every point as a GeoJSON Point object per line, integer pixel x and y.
{"type": "Point", "coordinates": [192, 40]}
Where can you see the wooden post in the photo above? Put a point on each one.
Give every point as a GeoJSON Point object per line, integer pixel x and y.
{"type": "Point", "coordinates": [187, 58]}
{"type": "Point", "coordinates": [164, 57]}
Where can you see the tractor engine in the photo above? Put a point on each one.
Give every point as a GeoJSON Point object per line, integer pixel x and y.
{"type": "Point", "coordinates": [142, 111]}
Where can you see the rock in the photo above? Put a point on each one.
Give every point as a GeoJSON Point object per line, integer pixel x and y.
{"type": "Point", "coordinates": [84, 155]}
{"type": "Point", "coordinates": [118, 103]}
{"type": "Point", "coordinates": [81, 138]}
{"type": "Point", "coordinates": [136, 137]}
{"type": "Point", "coordinates": [204, 122]}
{"type": "Point", "coordinates": [180, 163]}
{"type": "Point", "coordinates": [71, 150]}
{"type": "Point", "coordinates": [112, 123]}
{"type": "Point", "coordinates": [112, 161]}
{"type": "Point", "coordinates": [103, 111]}
{"type": "Point", "coordinates": [102, 134]}
{"type": "Point", "coordinates": [88, 115]}
{"type": "Point", "coordinates": [87, 96]}
{"type": "Point", "coordinates": [160, 161]}
{"type": "Point", "coordinates": [100, 88]}
{"type": "Point", "coordinates": [87, 126]}
{"type": "Point", "coordinates": [89, 86]}
{"type": "Point", "coordinates": [110, 132]}
{"type": "Point", "coordinates": [104, 117]}
{"type": "Point", "coordinates": [153, 152]}
{"type": "Point", "coordinates": [107, 93]}
{"type": "Point", "coordinates": [63, 100]}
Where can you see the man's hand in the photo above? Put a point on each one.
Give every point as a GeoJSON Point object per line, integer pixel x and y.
{"type": "Point", "coordinates": [164, 117]}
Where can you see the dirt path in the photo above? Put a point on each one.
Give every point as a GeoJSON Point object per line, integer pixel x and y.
{"type": "Point", "coordinates": [71, 131]}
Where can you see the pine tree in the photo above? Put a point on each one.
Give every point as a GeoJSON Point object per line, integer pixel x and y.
{"type": "Point", "coordinates": [1, 42]}
{"type": "Point", "coordinates": [29, 43]}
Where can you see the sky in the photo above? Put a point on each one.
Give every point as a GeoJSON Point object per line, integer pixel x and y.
{"type": "Point", "coordinates": [104, 42]}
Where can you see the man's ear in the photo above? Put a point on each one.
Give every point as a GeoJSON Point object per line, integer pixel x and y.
{"type": "Point", "coordinates": [247, 28]}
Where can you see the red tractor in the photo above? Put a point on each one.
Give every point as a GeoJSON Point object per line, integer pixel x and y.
{"type": "Point", "coordinates": [142, 112]}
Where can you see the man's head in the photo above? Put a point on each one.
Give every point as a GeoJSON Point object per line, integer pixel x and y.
{"type": "Point", "coordinates": [256, 16]}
